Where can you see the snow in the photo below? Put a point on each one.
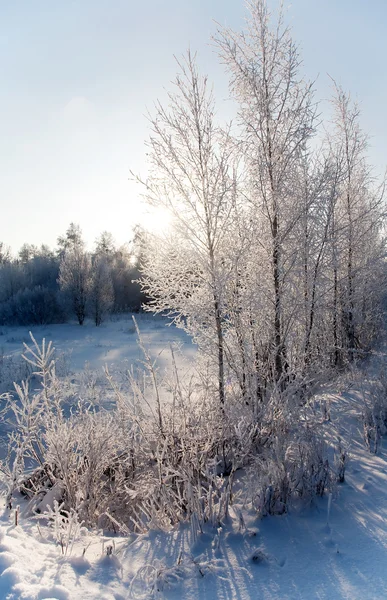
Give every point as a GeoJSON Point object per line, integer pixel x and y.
{"type": "Point", "coordinates": [311, 553]}
{"type": "Point", "coordinates": [113, 343]}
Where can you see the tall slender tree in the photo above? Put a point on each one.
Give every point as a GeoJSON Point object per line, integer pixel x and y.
{"type": "Point", "coordinates": [277, 116]}
{"type": "Point", "coordinates": [359, 213]}
{"type": "Point", "coordinates": [191, 176]}
{"type": "Point", "coordinates": [75, 271]}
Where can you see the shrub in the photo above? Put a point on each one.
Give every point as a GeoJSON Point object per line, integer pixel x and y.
{"type": "Point", "coordinates": [152, 461]}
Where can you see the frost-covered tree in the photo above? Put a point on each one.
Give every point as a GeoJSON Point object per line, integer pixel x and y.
{"type": "Point", "coordinates": [5, 253]}
{"type": "Point", "coordinates": [277, 119]}
{"type": "Point", "coordinates": [101, 296]}
{"type": "Point", "coordinates": [271, 259]}
{"type": "Point", "coordinates": [191, 176]}
{"type": "Point", "coordinates": [122, 263]}
{"type": "Point", "coordinates": [29, 289]}
{"type": "Point", "coordinates": [75, 280]}
{"type": "Point", "coordinates": [105, 245]}
{"type": "Point", "coordinates": [358, 248]}
{"type": "Point", "coordinates": [74, 271]}
{"type": "Point", "coordinates": [71, 240]}
{"type": "Point", "coordinates": [27, 252]}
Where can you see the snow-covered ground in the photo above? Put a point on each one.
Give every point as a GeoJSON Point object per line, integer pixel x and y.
{"type": "Point", "coordinates": [113, 343]}
{"type": "Point", "coordinates": [311, 553]}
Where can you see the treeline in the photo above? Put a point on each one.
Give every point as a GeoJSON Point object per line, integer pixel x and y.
{"type": "Point", "coordinates": [41, 285]}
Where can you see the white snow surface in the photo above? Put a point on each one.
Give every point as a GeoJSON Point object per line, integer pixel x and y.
{"type": "Point", "coordinates": [113, 343]}
{"type": "Point", "coordinates": [306, 554]}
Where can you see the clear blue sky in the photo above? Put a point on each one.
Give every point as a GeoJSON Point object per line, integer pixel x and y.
{"type": "Point", "coordinates": [78, 75]}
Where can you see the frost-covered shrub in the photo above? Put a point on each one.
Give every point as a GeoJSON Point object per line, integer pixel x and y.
{"type": "Point", "coordinates": [271, 486]}
{"type": "Point", "coordinates": [131, 467]}
{"type": "Point", "coordinates": [180, 458]}
{"type": "Point", "coordinates": [65, 525]}
{"type": "Point", "coordinates": [308, 460]}
{"type": "Point", "coordinates": [291, 467]}
{"type": "Point", "coordinates": [341, 460]}
{"type": "Point", "coordinates": [374, 413]}
{"type": "Point", "coordinates": [154, 460]}
{"type": "Point", "coordinates": [153, 579]}
{"type": "Point", "coordinates": [89, 456]}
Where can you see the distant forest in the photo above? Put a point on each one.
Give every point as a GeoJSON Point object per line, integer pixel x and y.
{"type": "Point", "coordinates": [40, 285]}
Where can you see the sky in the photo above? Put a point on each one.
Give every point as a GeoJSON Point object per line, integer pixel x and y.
{"type": "Point", "coordinates": [79, 76]}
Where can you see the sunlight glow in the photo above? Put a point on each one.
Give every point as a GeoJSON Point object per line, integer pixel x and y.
{"type": "Point", "coordinates": [157, 220]}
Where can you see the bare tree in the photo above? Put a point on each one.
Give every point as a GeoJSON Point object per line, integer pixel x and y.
{"type": "Point", "coordinates": [277, 117]}
{"type": "Point", "coordinates": [358, 217]}
{"type": "Point", "coordinates": [191, 176]}
{"type": "Point", "coordinates": [101, 295]}
{"type": "Point", "coordinates": [75, 280]}
{"type": "Point", "coordinates": [266, 265]}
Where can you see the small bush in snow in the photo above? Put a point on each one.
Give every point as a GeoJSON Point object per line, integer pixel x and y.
{"type": "Point", "coordinates": [151, 580]}
{"type": "Point", "coordinates": [341, 461]}
{"type": "Point", "coordinates": [292, 466]}
{"type": "Point", "coordinates": [65, 526]}
{"type": "Point", "coordinates": [374, 413]}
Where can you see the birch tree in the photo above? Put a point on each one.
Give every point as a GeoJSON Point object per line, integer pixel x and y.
{"type": "Point", "coordinates": [191, 177]}
{"type": "Point", "coordinates": [277, 118]}
{"type": "Point", "coordinates": [75, 280]}
{"type": "Point", "coordinates": [358, 246]}
{"type": "Point", "coordinates": [101, 297]}
{"type": "Point", "coordinates": [270, 263]}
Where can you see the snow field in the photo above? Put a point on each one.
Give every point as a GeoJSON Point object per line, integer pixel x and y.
{"type": "Point", "coordinates": [308, 553]}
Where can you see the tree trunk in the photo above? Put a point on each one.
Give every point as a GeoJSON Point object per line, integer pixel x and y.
{"type": "Point", "coordinates": [219, 333]}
